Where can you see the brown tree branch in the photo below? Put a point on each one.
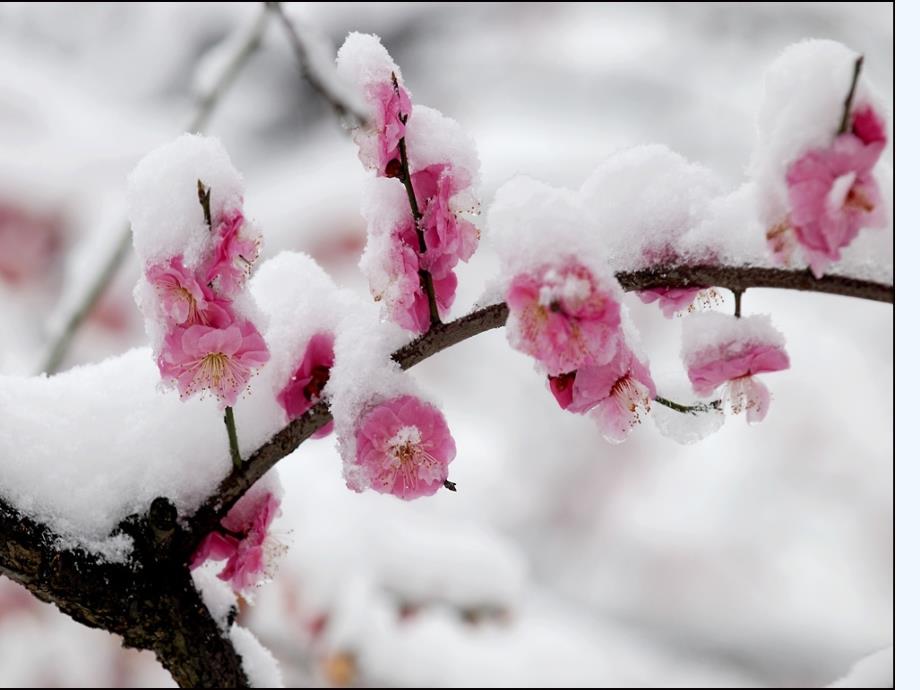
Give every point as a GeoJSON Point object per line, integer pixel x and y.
{"type": "Point", "coordinates": [150, 601]}
{"type": "Point", "coordinates": [444, 335]}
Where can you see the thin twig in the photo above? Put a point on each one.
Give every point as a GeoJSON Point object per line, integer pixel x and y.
{"type": "Point", "coordinates": [737, 294]}
{"type": "Point", "coordinates": [344, 110]}
{"type": "Point", "coordinates": [848, 103]}
{"type": "Point", "coordinates": [198, 123]}
{"type": "Point", "coordinates": [230, 423]}
{"type": "Point", "coordinates": [405, 177]}
{"type": "Point", "coordinates": [445, 335]}
{"type": "Point", "coordinates": [696, 408]}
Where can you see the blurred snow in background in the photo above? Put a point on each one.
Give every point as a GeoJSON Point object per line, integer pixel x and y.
{"type": "Point", "coordinates": [759, 556]}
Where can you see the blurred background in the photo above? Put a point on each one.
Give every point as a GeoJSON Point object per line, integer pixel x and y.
{"type": "Point", "coordinates": [760, 556]}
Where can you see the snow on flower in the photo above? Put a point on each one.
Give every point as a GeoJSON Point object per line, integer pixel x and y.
{"type": "Point", "coordinates": [833, 193]}
{"type": "Point", "coordinates": [309, 379]}
{"type": "Point", "coordinates": [196, 267]}
{"type": "Point", "coordinates": [403, 447]}
{"type": "Point", "coordinates": [442, 169]}
{"type": "Point", "coordinates": [562, 316]}
{"type": "Point", "coordinates": [244, 542]}
{"type": "Point", "coordinates": [724, 352]}
{"type": "Point", "coordinates": [364, 62]}
{"type": "Point", "coordinates": [815, 180]}
{"type": "Point", "coordinates": [616, 394]}
{"type": "Point", "coordinates": [673, 301]}
{"type": "Point", "coordinates": [219, 360]}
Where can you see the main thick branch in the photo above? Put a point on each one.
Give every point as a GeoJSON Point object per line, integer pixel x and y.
{"type": "Point", "coordinates": [445, 335]}
{"type": "Point", "coordinates": [150, 601]}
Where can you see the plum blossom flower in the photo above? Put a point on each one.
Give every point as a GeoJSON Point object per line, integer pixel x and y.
{"type": "Point", "coordinates": [238, 246]}
{"type": "Point", "coordinates": [403, 448]}
{"type": "Point", "coordinates": [615, 394]}
{"type": "Point", "coordinates": [833, 193]}
{"type": "Point", "coordinates": [731, 360]}
{"type": "Point", "coordinates": [564, 316]}
{"type": "Point", "coordinates": [395, 281]}
{"type": "Point", "coordinates": [308, 380]}
{"type": "Point", "coordinates": [183, 298]}
{"type": "Point", "coordinates": [392, 108]}
{"type": "Point", "coordinates": [442, 192]}
{"type": "Point", "coordinates": [244, 542]}
{"type": "Point", "coordinates": [673, 301]}
{"type": "Point", "coordinates": [198, 358]}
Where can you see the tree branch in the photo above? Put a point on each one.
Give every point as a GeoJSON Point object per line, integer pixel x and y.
{"type": "Point", "coordinates": [150, 601]}
{"type": "Point", "coordinates": [198, 123]}
{"type": "Point", "coordinates": [445, 335]}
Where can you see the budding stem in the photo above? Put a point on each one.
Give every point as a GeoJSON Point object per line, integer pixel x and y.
{"type": "Point", "coordinates": [848, 103]}
{"type": "Point", "coordinates": [204, 198]}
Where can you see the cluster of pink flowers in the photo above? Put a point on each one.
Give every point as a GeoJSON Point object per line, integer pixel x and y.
{"type": "Point", "coordinates": [243, 541]}
{"type": "Point", "coordinates": [741, 349]}
{"type": "Point", "coordinates": [568, 319]}
{"type": "Point", "coordinates": [441, 191]}
{"type": "Point", "coordinates": [833, 194]}
{"type": "Point", "coordinates": [207, 344]}
{"type": "Point", "coordinates": [403, 447]}
{"type": "Point", "coordinates": [309, 378]}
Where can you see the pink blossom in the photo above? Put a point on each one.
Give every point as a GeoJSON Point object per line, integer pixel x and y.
{"type": "Point", "coordinates": [221, 360]}
{"type": "Point", "coordinates": [734, 365]}
{"type": "Point", "coordinates": [403, 295]}
{"type": "Point", "coordinates": [237, 248]}
{"type": "Point", "coordinates": [404, 447]}
{"type": "Point", "coordinates": [242, 541]}
{"type": "Point", "coordinates": [308, 379]}
{"type": "Point", "coordinates": [670, 300]}
{"type": "Point", "coordinates": [184, 299]}
{"type": "Point", "coordinates": [448, 238]}
{"type": "Point", "coordinates": [832, 192]}
{"type": "Point", "coordinates": [392, 108]}
{"type": "Point", "coordinates": [563, 317]}
{"type": "Point", "coordinates": [616, 394]}
{"type": "Point", "coordinates": [28, 243]}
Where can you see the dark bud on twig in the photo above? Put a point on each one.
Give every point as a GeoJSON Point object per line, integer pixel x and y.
{"type": "Point", "coordinates": [394, 168]}
{"type": "Point", "coordinates": [450, 486]}
{"type": "Point", "coordinates": [204, 198]}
